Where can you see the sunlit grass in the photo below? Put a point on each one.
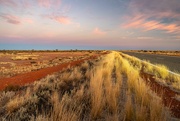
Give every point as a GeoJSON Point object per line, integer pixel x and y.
{"type": "Point", "coordinates": [91, 91]}
{"type": "Point", "coordinates": [158, 70]}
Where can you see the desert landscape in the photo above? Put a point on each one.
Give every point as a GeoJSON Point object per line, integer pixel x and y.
{"type": "Point", "coordinates": [89, 60]}
{"type": "Point", "coordinates": [86, 85]}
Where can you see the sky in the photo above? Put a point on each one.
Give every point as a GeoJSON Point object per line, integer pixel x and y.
{"type": "Point", "coordinates": [90, 24]}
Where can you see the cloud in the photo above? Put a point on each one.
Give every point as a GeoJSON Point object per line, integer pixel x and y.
{"type": "Point", "coordinates": [154, 15]}
{"type": "Point", "coordinates": [11, 19]}
{"type": "Point", "coordinates": [61, 19]}
{"type": "Point", "coordinates": [145, 38]}
{"type": "Point", "coordinates": [8, 3]}
{"type": "Point", "coordinates": [24, 4]}
{"type": "Point", "coordinates": [28, 20]}
{"type": "Point", "coordinates": [49, 3]}
{"type": "Point", "coordinates": [147, 25]}
{"type": "Point", "coordinates": [25, 7]}
{"type": "Point", "coordinates": [158, 6]}
{"type": "Point", "coordinates": [44, 3]}
{"type": "Point", "coordinates": [97, 31]}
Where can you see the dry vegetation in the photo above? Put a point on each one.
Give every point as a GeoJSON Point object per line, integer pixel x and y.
{"type": "Point", "coordinates": [33, 61]}
{"type": "Point", "coordinates": [161, 72]}
{"type": "Point", "coordinates": [108, 88]}
{"type": "Point", "coordinates": [24, 56]}
{"type": "Point", "coordinates": [165, 52]}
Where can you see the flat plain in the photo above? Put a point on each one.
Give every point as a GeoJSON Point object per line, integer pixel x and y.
{"type": "Point", "coordinates": [85, 85]}
{"type": "Point", "coordinates": [172, 62]}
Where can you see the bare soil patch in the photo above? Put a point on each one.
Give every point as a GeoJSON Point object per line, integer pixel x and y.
{"type": "Point", "coordinates": [168, 96]}
{"type": "Point", "coordinates": [12, 64]}
{"type": "Point", "coordinates": [30, 77]}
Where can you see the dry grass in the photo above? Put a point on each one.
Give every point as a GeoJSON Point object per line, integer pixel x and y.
{"type": "Point", "coordinates": [91, 91]}
{"type": "Point", "coordinates": [25, 57]}
{"type": "Point", "coordinates": [176, 81]}
{"type": "Point", "coordinates": [15, 103]}
{"type": "Point", "coordinates": [147, 67]}
{"type": "Point", "coordinates": [160, 71]}
{"type": "Point", "coordinates": [171, 53]}
{"type": "Point", "coordinates": [97, 95]}
{"type": "Point", "coordinates": [140, 102]}
{"type": "Point", "coordinates": [65, 110]}
{"type": "Point", "coordinates": [33, 62]}
{"type": "Point", "coordinates": [129, 109]}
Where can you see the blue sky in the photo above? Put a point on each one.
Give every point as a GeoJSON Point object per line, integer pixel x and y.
{"type": "Point", "coordinates": [90, 24]}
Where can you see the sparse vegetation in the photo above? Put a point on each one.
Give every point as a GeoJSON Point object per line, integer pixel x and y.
{"type": "Point", "coordinates": [161, 72]}
{"type": "Point", "coordinates": [106, 88]}
{"type": "Point", "coordinates": [164, 52]}
{"type": "Point", "coordinates": [19, 62]}
{"type": "Point", "coordinates": [25, 57]}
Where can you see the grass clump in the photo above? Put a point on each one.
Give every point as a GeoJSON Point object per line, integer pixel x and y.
{"type": "Point", "coordinates": [161, 71]}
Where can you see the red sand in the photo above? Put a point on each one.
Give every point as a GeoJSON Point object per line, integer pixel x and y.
{"type": "Point", "coordinates": [166, 94]}
{"type": "Point", "coordinates": [30, 77]}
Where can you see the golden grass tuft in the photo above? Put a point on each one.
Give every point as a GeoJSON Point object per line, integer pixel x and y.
{"type": "Point", "coordinates": [162, 71]}
{"type": "Point", "coordinates": [129, 113]}
{"type": "Point", "coordinates": [15, 103]}
{"type": "Point", "coordinates": [97, 94]}
{"type": "Point", "coordinates": [65, 110]}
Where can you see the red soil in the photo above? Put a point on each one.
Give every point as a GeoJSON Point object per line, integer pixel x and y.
{"type": "Point", "coordinates": [164, 92]}
{"type": "Point", "coordinates": [41, 57]}
{"type": "Point", "coordinates": [30, 77]}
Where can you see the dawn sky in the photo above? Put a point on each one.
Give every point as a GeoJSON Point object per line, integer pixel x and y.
{"type": "Point", "coordinates": [90, 24]}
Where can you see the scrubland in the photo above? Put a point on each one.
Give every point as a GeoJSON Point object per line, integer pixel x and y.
{"type": "Point", "coordinates": [12, 64]}
{"type": "Point", "coordinates": [161, 72]}
{"type": "Point", "coordinates": [160, 52]}
{"type": "Point", "coordinates": [107, 88]}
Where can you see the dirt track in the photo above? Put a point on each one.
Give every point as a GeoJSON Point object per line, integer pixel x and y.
{"type": "Point", "coordinates": [30, 77]}
{"type": "Point", "coordinates": [172, 62]}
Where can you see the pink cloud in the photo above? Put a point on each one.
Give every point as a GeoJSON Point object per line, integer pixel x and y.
{"type": "Point", "coordinates": [28, 20]}
{"type": "Point", "coordinates": [8, 3]}
{"type": "Point", "coordinates": [167, 14]}
{"type": "Point", "coordinates": [61, 19]}
{"type": "Point", "coordinates": [141, 21]}
{"type": "Point", "coordinates": [11, 19]}
{"type": "Point", "coordinates": [97, 31]}
{"type": "Point", "coordinates": [44, 3]}
{"type": "Point", "coordinates": [145, 38]}
{"type": "Point", "coordinates": [154, 15]}
{"type": "Point", "coordinates": [154, 6]}
{"type": "Point", "coordinates": [49, 3]}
